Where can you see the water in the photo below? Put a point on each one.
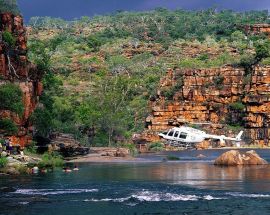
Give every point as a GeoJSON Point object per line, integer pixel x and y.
{"type": "Point", "coordinates": [189, 186]}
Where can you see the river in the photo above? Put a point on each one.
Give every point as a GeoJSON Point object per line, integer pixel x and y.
{"type": "Point", "coordinates": [188, 186]}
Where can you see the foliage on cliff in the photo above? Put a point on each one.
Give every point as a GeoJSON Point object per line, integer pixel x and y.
{"type": "Point", "coordinates": [102, 71]}
{"type": "Point", "coordinates": [9, 6]}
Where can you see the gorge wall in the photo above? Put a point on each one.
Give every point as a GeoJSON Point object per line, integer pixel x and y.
{"type": "Point", "coordinates": [15, 69]}
{"type": "Point", "coordinates": [213, 99]}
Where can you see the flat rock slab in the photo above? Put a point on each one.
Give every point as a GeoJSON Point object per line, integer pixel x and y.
{"type": "Point", "coordinates": [234, 158]}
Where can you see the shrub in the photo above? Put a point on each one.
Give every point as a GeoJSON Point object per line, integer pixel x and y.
{"type": "Point", "coordinates": [11, 98]}
{"type": "Point", "coordinates": [172, 158]}
{"type": "Point", "coordinates": [218, 81]}
{"type": "Point", "coordinates": [94, 42]}
{"type": "Point", "coordinates": [9, 38]}
{"type": "Point", "coordinates": [156, 147]}
{"type": "Point", "coordinates": [51, 160]}
{"type": "Point", "coordinates": [31, 148]}
{"type": "Point", "coordinates": [237, 106]}
{"type": "Point", "coordinates": [3, 162]}
{"type": "Point", "coordinates": [8, 126]}
{"type": "Point", "coordinates": [9, 6]}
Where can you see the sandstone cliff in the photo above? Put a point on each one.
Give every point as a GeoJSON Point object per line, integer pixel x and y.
{"type": "Point", "coordinates": [16, 69]}
{"type": "Point", "coordinates": [214, 97]}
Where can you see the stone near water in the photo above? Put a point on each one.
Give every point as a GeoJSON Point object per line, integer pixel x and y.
{"type": "Point", "coordinates": [200, 156]}
{"type": "Point", "coordinates": [67, 145]}
{"type": "Point", "coordinates": [3, 154]}
{"type": "Point", "coordinates": [234, 158]}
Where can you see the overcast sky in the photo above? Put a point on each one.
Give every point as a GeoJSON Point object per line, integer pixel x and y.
{"type": "Point", "coordinates": [70, 9]}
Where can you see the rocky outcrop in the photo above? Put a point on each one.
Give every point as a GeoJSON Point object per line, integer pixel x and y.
{"type": "Point", "coordinates": [213, 98]}
{"type": "Point", "coordinates": [257, 29]}
{"type": "Point", "coordinates": [67, 146]}
{"type": "Point", "coordinates": [234, 158]}
{"type": "Point", "coordinates": [203, 145]}
{"type": "Point", "coordinates": [15, 68]}
{"type": "Point", "coordinates": [111, 152]}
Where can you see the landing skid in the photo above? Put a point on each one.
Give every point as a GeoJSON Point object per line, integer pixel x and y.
{"type": "Point", "coordinates": [180, 144]}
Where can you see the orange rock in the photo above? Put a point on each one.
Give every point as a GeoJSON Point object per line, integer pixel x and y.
{"type": "Point", "coordinates": [234, 158]}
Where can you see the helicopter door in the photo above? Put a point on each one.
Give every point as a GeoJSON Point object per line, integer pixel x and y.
{"type": "Point", "coordinates": [170, 133]}
{"type": "Point", "coordinates": [176, 133]}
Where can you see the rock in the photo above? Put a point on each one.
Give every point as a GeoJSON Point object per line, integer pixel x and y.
{"type": "Point", "coordinates": [7, 189]}
{"type": "Point", "coordinates": [67, 146]}
{"type": "Point", "coordinates": [110, 151]}
{"type": "Point", "coordinates": [234, 158]}
{"type": "Point", "coordinates": [203, 145]}
{"type": "Point", "coordinates": [122, 152]}
{"type": "Point", "coordinates": [200, 156]}
{"type": "Point", "coordinates": [200, 99]}
{"type": "Point", "coordinates": [12, 171]}
{"type": "Point", "coordinates": [13, 162]}
{"type": "Point", "coordinates": [30, 84]}
{"type": "Point", "coordinates": [3, 154]}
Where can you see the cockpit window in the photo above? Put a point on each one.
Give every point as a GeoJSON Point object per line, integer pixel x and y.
{"type": "Point", "coordinates": [176, 134]}
{"type": "Point", "coordinates": [170, 133]}
{"type": "Point", "coordinates": [183, 135]}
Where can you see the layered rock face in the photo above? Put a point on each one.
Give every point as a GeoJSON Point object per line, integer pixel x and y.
{"type": "Point", "coordinates": [213, 98]}
{"type": "Point", "coordinates": [257, 29]}
{"type": "Point", "coordinates": [16, 69]}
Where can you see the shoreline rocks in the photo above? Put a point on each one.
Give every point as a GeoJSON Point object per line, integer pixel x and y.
{"type": "Point", "coordinates": [235, 157]}
{"type": "Point", "coordinates": [67, 145]}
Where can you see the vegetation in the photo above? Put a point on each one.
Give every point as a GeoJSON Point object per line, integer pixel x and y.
{"type": "Point", "coordinates": [11, 98]}
{"type": "Point", "coordinates": [156, 147]}
{"type": "Point", "coordinates": [172, 158]}
{"type": "Point", "coordinates": [237, 106]}
{"type": "Point", "coordinates": [8, 127]}
{"type": "Point", "coordinates": [9, 6]}
{"type": "Point", "coordinates": [100, 72]}
{"type": "Point", "coordinates": [3, 162]}
{"type": "Point", "coordinates": [9, 38]}
{"type": "Point", "coordinates": [51, 160]}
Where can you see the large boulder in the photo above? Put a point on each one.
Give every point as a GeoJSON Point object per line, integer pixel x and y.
{"type": "Point", "coordinates": [66, 145]}
{"type": "Point", "coordinates": [234, 158]}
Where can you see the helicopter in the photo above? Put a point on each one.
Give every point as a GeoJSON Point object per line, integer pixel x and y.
{"type": "Point", "coordinates": [188, 137]}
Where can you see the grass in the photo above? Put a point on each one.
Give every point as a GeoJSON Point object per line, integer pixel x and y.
{"type": "Point", "coordinates": [156, 147]}
{"type": "Point", "coordinates": [173, 158]}
{"type": "Point", "coordinates": [3, 162]}
{"type": "Point", "coordinates": [51, 160]}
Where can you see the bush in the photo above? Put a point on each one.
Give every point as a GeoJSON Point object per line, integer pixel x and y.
{"type": "Point", "coordinates": [31, 148]}
{"type": "Point", "coordinates": [11, 98]}
{"type": "Point", "coordinates": [239, 106]}
{"type": "Point", "coordinates": [9, 38]}
{"type": "Point", "coordinates": [3, 162]}
{"type": "Point", "coordinates": [172, 158]}
{"type": "Point", "coordinates": [132, 148]}
{"type": "Point", "coordinates": [9, 6]}
{"type": "Point", "coordinates": [51, 160]}
{"type": "Point", "coordinates": [218, 81]}
{"type": "Point", "coordinates": [8, 126]}
{"type": "Point", "coordinates": [94, 42]}
{"type": "Point", "coordinates": [156, 147]}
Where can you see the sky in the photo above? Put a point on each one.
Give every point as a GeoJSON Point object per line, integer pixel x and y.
{"type": "Point", "coordinates": [70, 9]}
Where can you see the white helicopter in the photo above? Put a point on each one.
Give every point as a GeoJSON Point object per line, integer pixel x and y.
{"type": "Point", "coordinates": [187, 137]}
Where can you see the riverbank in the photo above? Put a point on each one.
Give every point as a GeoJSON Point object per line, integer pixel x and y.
{"type": "Point", "coordinates": [209, 155]}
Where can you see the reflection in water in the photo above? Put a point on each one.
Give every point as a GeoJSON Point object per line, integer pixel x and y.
{"type": "Point", "coordinates": [185, 187]}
